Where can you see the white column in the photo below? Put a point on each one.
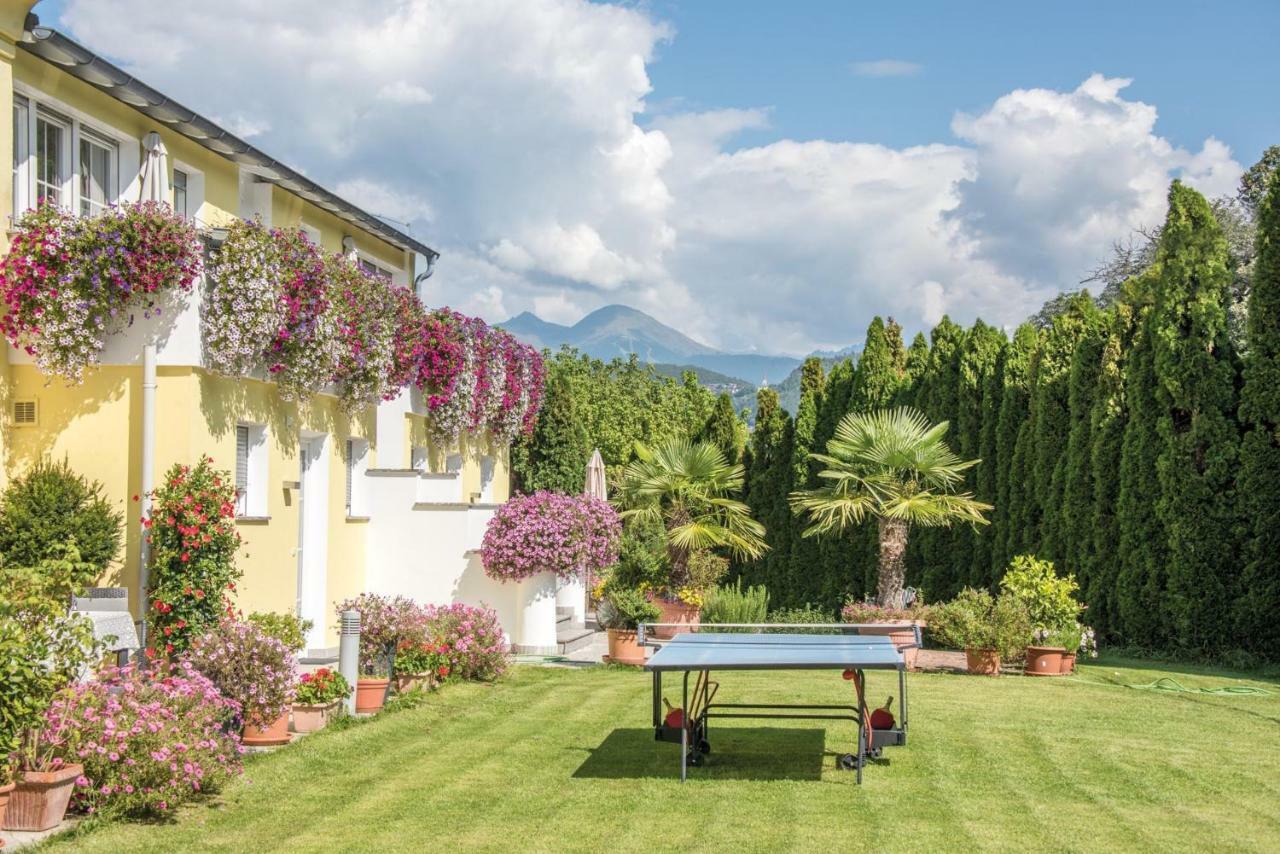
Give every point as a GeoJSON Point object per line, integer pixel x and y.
{"type": "Point", "coordinates": [572, 593]}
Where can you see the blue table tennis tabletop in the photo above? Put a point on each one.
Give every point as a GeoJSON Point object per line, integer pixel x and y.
{"type": "Point", "coordinates": [730, 651]}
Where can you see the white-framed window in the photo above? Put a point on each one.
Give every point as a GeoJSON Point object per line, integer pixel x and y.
{"type": "Point", "coordinates": [180, 182]}
{"type": "Point", "coordinates": [251, 470]}
{"type": "Point", "coordinates": [375, 270]}
{"type": "Point", "coordinates": [98, 172]}
{"type": "Point", "coordinates": [312, 233]}
{"type": "Point", "coordinates": [418, 458]}
{"type": "Point", "coordinates": [52, 158]}
{"type": "Point", "coordinates": [357, 465]}
{"type": "Point", "coordinates": [21, 141]}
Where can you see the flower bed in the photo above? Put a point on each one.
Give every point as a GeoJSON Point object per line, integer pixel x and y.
{"type": "Point", "coordinates": [147, 740]}
{"type": "Point", "coordinates": [248, 666]}
{"type": "Point", "coordinates": [472, 638]}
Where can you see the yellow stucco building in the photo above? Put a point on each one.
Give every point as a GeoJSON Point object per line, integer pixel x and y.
{"type": "Point", "coordinates": [333, 505]}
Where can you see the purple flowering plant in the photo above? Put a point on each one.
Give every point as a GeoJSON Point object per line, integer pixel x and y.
{"type": "Point", "coordinates": [386, 622]}
{"type": "Point", "coordinates": [470, 640]}
{"type": "Point", "coordinates": [569, 535]}
{"type": "Point", "coordinates": [148, 739]}
{"type": "Point", "coordinates": [248, 666]}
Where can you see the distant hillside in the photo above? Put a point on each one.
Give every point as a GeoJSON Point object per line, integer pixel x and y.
{"type": "Point", "coordinates": [789, 389]}
{"type": "Point", "coordinates": [713, 380]}
{"type": "Point", "coordinates": [617, 330]}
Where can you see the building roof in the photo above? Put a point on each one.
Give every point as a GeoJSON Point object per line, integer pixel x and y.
{"type": "Point", "coordinates": [77, 60]}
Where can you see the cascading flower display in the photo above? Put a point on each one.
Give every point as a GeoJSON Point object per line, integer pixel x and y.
{"type": "Point", "coordinates": [568, 535]}
{"type": "Point", "coordinates": [458, 357]}
{"type": "Point", "coordinates": [305, 351]}
{"type": "Point", "coordinates": [364, 318]}
{"type": "Point", "coordinates": [68, 282]}
{"type": "Point", "coordinates": [406, 338]}
{"type": "Point", "coordinates": [242, 307]}
{"type": "Point", "coordinates": [149, 740]}
{"type": "Point", "coordinates": [193, 541]}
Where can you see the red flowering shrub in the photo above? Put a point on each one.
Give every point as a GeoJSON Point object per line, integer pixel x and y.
{"type": "Point", "coordinates": [193, 540]}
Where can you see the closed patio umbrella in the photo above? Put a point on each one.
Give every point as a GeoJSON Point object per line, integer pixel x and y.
{"type": "Point", "coordinates": [155, 170]}
{"type": "Point", "coordinates": [576, 593]}
{"type": "Point", "coordinates": [595, 478]}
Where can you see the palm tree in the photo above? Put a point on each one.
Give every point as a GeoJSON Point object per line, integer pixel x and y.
{"type": "Point", "coordinates": [891, 465]}
{"type": "Point", "coordinates": [687, 487]}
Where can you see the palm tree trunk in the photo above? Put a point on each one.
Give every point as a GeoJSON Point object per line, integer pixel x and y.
{"type": "Point", "coordinates": [893, 562]}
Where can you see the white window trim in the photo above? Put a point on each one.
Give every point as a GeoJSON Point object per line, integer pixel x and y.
{"type": "Point", "coordinates": [22, 167]}
{"type": "Point", "coordinates": [357, 452]}
{"type": "Point", "coordinates": [88, 134]}
{"type": "Point", "coordinates": [195, 190]}
{"type": "Point", "coordinates": [312, 233]}
{"type": "Point", "coordinates": [128, 150]}
{"type": "Point", "coordinates": [253, 502]}
{"type": "Point", "coordinates": [398, 276]}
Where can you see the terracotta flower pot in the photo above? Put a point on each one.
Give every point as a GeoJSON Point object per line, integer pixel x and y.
{"type": "Point", "coordinates": [1044, 660]}
{"type": "Point", "coordinates": [984, 662]}
{"type": "Point", "coordinates": [689, 616]}
{"type": "Point", "coordinates": [409, 681]}
{"type": "Point", "coordinates": [312, 718]}
{"type": "Point", "coordinates": [903, 635]}
{"type": "Point", "coordinates": [5, 790]}
{"type": "Point", "coordinates": [1068, 662]}
{"type": "Point", "coordinates": [371, 694]}
{"type": "Point", "coordinates": [40, 798]}
{"type": "Point", "coordinates": [623, 648]}
{"type": "Point", "coordinates": [258, 735]}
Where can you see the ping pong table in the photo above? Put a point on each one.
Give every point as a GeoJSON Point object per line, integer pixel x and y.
{"type": "Point", "coordinates": [703, 652]}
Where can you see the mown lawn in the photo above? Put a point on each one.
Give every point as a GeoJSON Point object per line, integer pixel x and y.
{"type": "Point", "coordinates": [562, 760]}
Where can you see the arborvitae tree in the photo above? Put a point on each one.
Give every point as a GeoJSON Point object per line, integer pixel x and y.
{"type": "Point", "coordinates": [1106, 430]}
{"type": "Point", "coordinates": [767, 487]}
{"type": "Point", "coordinates": [1142, 548]}
{"type": "Point", "coordinates": [976, 419]}
{"type": "Point", "coordinates": [916, 364]}
{"type": "Point", "coordinates": [804, 573]}
{"type": "Point", "coordinates": [835, 556]}
{"type": "Point", "coordinates": [1075, 515]}
{"type": "Point", "coordinates": [1015, 401]}
{"type": "Point", "coordinates": [555, 456]}
{"type": "Point", "coordinates": [722, 429]}
{"type": "Point", "coordinates": [1195, 371]}
{"type": "Point", "coordinates": [1050, 419]}
{"type": "Point", "coordinates": [1259, 477]}
{"type": "Point", "coordinates": [937, 395]}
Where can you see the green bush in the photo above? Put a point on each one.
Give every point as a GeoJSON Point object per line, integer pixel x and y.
{"type": "Point", "coordinates": [977, 620]}
{"type": "Point", "coordinates": [1050, 601]}
{"type": "Point", "coordinates": [625, 607]}
{"type": "Point", "coordinates": [706, 568]}
{"type": "Point", "coordinates": [286, 628]}
{"type": "Point", "coordinates": [732, 604]}
{"type": "Point", "coordinates": [804, 614]}
{"type": "Point", "coordinates": [52, 506]}
{"type": "Point", "coordinates": [42, 649]}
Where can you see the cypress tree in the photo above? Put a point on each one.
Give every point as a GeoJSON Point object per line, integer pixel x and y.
{"type": "Point", "coordinates": [1195, 373]}
{"type": "Point", "coordinates": [937, 396]}
{"type": "Point", "coordinates": [1051, 420]}
{"type": "Point", "coordinates": [721, 429]}
{"type": "Point", "coordinates": [1259, 478]}
{"type": "Point", "coordinates": [1107, 424]}
{"type": "Point", "coordinates": [766, 490]}
{"type": "Point", "coordinates": [555, 456]}
{"type": "Point", "coordinates": [804, 570]}
{"type": "Point", "coordinates": [835, 556]}
{"type": "Point", "coordinates": [1075, 517]}
{"type": "Point", "coordinates": [1015, 402]}
{"type": "Point", "coordinates": [917, 363]}
{"type": "Point", "coordinates": [1142, 548]}
{"type": "Point", "coordinates": [976, 431]}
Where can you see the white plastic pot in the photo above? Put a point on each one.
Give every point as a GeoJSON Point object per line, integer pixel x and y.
{"type": "Point", "coordinates": [536, 629]}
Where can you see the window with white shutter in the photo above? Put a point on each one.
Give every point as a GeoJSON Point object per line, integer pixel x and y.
{"type": "Point", "coordinates": [251, 470]}
{"type": "Point", "coordinates": [242, 471]}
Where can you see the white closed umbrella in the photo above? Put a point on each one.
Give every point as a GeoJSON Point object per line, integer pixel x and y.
{"type": "Point", "coordinates": [155, 170]}
{"type": "Point", "coordinates": [595, 478]}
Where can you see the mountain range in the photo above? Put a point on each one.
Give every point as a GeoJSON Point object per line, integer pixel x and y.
{"type": "Point", "coordinates": [618, 330]}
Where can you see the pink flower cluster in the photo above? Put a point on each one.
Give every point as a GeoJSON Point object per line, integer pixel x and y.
{"type": "Point", "coordinates": [68, 282]}
{"type": "Point", "coordinates": [385, 623]}
{"type": "Point", "coordinates": [471, 638]}
{"type": "Point", "coordinates": [248, 666]}
{"type": "Point", "coordinates": [148, 740]}
{"type": "Point", "coordinates": [548, 532]}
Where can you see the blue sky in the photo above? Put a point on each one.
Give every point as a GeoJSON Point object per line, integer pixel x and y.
{"type": "Point", "coordinates": [1212, 68]}
{"type": "Point", "coordinates": [762, 176]}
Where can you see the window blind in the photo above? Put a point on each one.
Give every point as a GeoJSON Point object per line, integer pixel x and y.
{"type": "Point", "coordinates": [242, 471]}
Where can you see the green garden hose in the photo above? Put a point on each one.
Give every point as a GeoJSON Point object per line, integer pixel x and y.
{"type": "Point", "coordinates": [1175, 687]}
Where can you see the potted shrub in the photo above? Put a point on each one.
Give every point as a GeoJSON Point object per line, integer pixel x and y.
{"type": "Point", "coordinates": [473, 643]}
{"type": "Point", "coordinates": [1051, 606]}
{"type": "Point", "coordinates": [688, 489]}
{"type": "Point", "coordinates": [385, 622]}
{"type": "Point", "coordinates": [899, 624]}
{"type": "Point", "coordinates": [1079, 640]}
{"type": "Point", "coordinates": [42, 650]}
{"type": "Point", "coordinates": [620, 612]}
{"type": "Point", "coordinates": [420, 663]}
{"type": "Point", "coordinates": [316, 698]}
{"type": "Point", "coordinates": [986, 628]}
{"type": "Point", "coordinates": [255, 670]}
{"type": "Point", "coordinates": [1044, 656]}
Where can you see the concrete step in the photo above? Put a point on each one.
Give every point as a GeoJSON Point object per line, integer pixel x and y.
{"type": "Point", "coordinates": [567, 640]}
{"type": "Point", "coordinates": [564, 611]}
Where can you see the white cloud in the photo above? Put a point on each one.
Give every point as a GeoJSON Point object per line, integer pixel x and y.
{"type": "Point", "coordinates": [537, 173]}
{"type": "Point", "coordinates": [887, 68]}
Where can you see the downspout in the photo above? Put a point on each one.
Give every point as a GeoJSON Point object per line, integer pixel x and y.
{"type": "Point", "coordinates": [148, 476]}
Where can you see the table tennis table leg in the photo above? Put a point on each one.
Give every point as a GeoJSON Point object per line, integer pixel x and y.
{"type": "Point", "coordinates": [684, 731]}
{"type": "Point", "coordinates": [657, 698]}
{"type": "Point", "coordinates": [862, 734]}
{"type": "Point", "coordinates": [902, 699]}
